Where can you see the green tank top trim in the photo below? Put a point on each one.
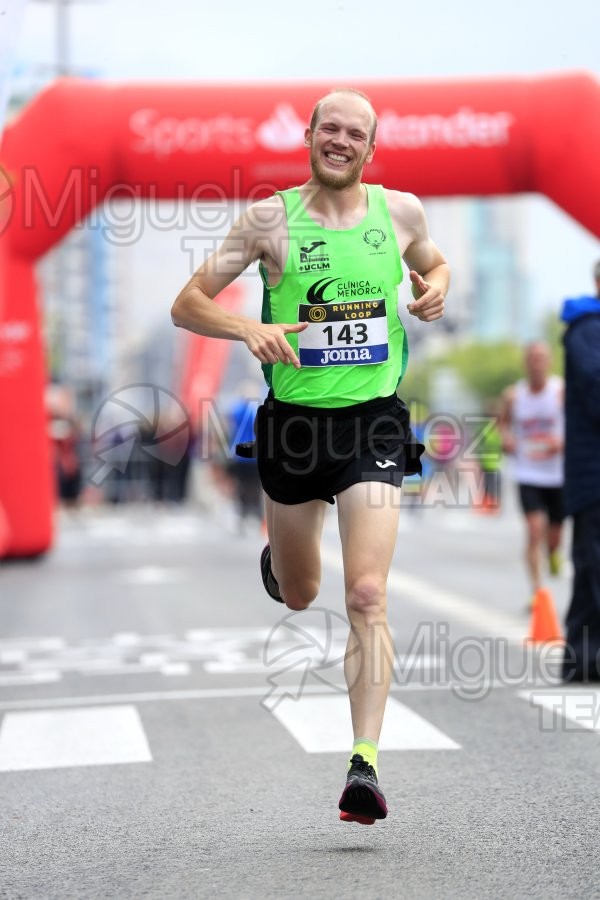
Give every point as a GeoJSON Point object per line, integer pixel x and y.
{"type": "Point", "coordinates": [344, 284]}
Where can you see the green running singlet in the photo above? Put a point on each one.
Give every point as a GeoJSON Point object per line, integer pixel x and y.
{"type": "Point", "coordinates": [345, 285]}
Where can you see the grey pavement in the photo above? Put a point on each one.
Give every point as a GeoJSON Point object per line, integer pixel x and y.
{"type": "Point", "coordinates": [137, 760]}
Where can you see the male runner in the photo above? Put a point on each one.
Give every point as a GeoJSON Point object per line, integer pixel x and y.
{"type": "Point", "coordinates": [333, 350]}
{"type": "Point", "coordinates": [532, 424]}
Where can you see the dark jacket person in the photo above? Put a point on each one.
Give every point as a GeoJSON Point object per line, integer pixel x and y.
{"type": "Point", "coordinates": [582, 482]}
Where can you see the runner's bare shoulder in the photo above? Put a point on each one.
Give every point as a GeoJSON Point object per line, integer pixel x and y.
{"type": "Point", "coordinates": [266, 216]}
{"type": "Point", "coordinates": [266, 220]}
{"type": "Point", "coordinates": [405, 209]}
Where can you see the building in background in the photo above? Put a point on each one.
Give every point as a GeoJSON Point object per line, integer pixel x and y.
{"type": "Point", "coordinates": [486, 241]}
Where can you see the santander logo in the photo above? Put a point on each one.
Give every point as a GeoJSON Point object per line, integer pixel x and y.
{"type": "Point", "coordinates": [283, 131]}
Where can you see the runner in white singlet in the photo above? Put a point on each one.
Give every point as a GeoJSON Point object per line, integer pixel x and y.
{"type": "Point", "coordinates": [532, 423]}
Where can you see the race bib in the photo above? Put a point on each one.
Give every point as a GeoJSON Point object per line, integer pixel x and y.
{"type": "Point", "coordinates": [536, 446]}
{"type": "Point", "coordinates": [343, 334]}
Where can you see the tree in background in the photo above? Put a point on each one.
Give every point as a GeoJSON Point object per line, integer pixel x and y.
{"type": "Point", "coordinates": [486, 369]}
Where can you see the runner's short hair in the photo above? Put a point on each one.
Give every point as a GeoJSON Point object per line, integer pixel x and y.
{"type": "Point", "coordinates": [344, 90]}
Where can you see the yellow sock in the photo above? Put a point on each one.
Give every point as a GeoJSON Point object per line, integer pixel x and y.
{"type": "Point", "coordinates": [367, 749]}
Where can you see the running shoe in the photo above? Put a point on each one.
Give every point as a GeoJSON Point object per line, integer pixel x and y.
{"type": "Point", "coordinates": [270, 583]}
{"type": "Point", "coordinates": [362, 799]}
{"type": "Point", "coordinates": [555, 562]}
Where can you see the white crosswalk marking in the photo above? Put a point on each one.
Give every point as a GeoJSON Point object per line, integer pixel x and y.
{"type": "Point", "coordinates": [42, 677]}
{"type": "Point", "coordinates": [220, 651]}
{"type": "Point", "coordinates": [57, 739]}
{"type": "Point", "coordinates": [152, 575]}
{"type": "Point", "coordinates": [135, 528]}
{"type": "Point", "coordinates": [321, 724]}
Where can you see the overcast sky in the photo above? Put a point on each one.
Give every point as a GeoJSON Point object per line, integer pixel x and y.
{"type": "Point", "coordinates": [342, 41]}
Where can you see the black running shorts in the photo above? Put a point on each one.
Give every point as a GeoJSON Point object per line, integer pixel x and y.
{"type": "Point", "coordinates": [309, 453]}
{"type": "Point", "coordinates": [543, 499]}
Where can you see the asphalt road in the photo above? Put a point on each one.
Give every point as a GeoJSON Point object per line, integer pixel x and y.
{"type": "Point", "coordinates": [169, 732]}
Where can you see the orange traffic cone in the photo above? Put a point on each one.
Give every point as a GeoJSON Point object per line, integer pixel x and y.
{"type": "Point", "coordinates": [544, 624]}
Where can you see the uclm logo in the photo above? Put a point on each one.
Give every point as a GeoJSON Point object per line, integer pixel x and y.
{"type": "Point", "coordinates": [283, 132]}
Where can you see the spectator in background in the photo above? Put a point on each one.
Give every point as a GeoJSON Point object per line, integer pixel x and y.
{"type": "Point", "coordinates": [244, 470]}
{"type": "Point", "coordinates": [488, 441]}
{"type": "Point", "coordinates": [415, 487]}
{"type": "Point", "coordinates": [582, 482]}
{"type": "Point", "coordinates": [167, 465]}
{"type": "Point", "coordinates": [65, 439]}
{"type": "Point", "coordinates": [532, 426]}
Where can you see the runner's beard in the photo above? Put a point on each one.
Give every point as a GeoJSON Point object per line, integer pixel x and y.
{"type": "Point", "coordinates": [335, 180]}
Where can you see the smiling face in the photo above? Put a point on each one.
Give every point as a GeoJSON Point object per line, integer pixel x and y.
{"type": "Point", "coordinates": [340, 142]}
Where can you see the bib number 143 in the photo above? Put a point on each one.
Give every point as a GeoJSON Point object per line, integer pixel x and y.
{"type": "Point", "coordinates": [355, 333]}
{"type": "Point", "coordinates": [343, 334]}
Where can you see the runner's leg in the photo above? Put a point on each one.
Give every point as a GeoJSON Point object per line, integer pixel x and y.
{"type": "Point", "coordinates": [295, 538]}
{"type": "Point", "coordinates": [536, 531]}
{"type": "Point", "coordinates": [368, 522]}
{"type": "Point", "coordinates": [554, 536]}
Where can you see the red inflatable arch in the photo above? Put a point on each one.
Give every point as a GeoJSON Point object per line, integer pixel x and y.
{"type": "Point", "coordinates": [78, 143]}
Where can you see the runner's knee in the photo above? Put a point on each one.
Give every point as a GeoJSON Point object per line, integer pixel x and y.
{"type": "Point", "coordinates": [366, 597]}
{"type": "Point", "coordinates": [298, 596]}
{"type": "Point", "coordinates": [536, 533]}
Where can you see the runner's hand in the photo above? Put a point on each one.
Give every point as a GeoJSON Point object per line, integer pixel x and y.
{"type": "Point", "coordinates": [268, 343]}
{"type": "Point", "coordinates": [430, 304]}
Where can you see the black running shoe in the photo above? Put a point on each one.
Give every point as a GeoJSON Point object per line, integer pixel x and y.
{"type": "Point", "coordinates": [362, 799]}
{"type": "Point", "coordinates": [270, 583]}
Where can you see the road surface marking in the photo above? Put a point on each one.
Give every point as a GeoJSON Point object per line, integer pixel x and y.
{"type": "Point", "coordinates": [240, 664]}
{"type": "Point", "coordinates": [233, 693]}
{"type": "Point", "coordinates": [152, 575]}
{"type": "Point", "coordinates": [64, 738]}
{"type": "Point", "coordinates": [323, 725]}
{"type": "Point", "coordinates": [42, 644]}
{"type": "Point", "coordinates": [20, 678]}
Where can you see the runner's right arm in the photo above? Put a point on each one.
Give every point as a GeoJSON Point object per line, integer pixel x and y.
{"type": "Point", "coordinates": [195, 309]}
{"type": "Point", "coordinates": [505, 420]}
